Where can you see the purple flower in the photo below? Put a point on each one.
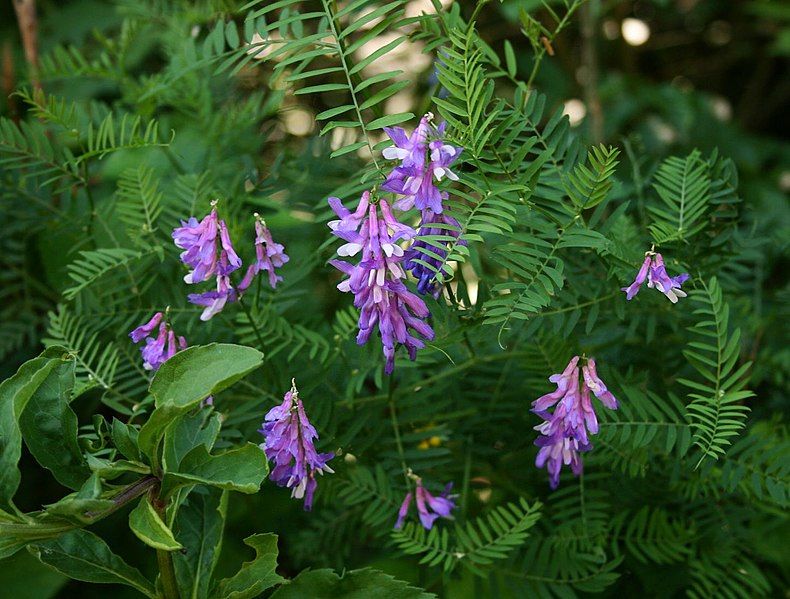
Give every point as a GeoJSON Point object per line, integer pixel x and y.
{"type": "Point", "coordinates": [597, 386]}
{"type": "Point", "coordinates": [214, 301]}
{"type": "Point", "coordinates": [146, 329]}
{"type": "Point", "coordinates": [429, 507]}
{"type": "Point", "coordinates": [377, 280]}
{"type": "Point", "coordinates": [269, 255]}
{"type": "Point", "coordinates": [655, 272]}
{"type": "Point", "coordinates": [404, 510]}
{"type": "Point", "coordinates": [425, 258]}
{"type": "Point", "coordinates": [409, 149]}
{"type": "Point", "coordinates": [199, 242]}
{"type": "Point", "coordinates": [669, 286]}
{"type": "Point", "coordinates": [289, 446]}
{"type": "Point", "coordinates": [157, 350]}
{"type": "Point", "coordinates": [564, 434]}
{"type": "Point", "coordinates": [633, 288]}
{"type": "Point", "coordinates": [414, 177]}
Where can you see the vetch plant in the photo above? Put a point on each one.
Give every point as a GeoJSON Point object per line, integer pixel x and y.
{"type": "Point", "coordinates": [206, 203]}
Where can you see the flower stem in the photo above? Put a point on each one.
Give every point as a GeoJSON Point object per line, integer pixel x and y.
{"type": "Point", "coordinates": [396, 430]}
{"type": "Point", "coordinates": [253, 324]}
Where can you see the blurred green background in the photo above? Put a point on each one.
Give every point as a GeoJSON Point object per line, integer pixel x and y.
{"type": "Point", "coordinates": [654, 77]}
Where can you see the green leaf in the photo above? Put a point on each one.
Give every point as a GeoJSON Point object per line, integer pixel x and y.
{"type": "Point", "coordinates": [199, 525]}
{"type": "Point", "coordinates": [356, 584]}
{"type": "Point", "coordinates": [150, 529]}
{"type": "Point", "coordinates": [81, 507]}
{"type": "Point", "coordinates": [124, 437]}
{"type": "Point", "coordinates": [187, 433]}
{"type": "Point", "coordinates": [49, 427]}
{"type": "Point", "coordinates": [82, 555]}
{"type": "Point", "coordinates": [256, 576]}
{"type": "Point", "coordinates": [15, 392]}
{"type": "Point", "coordinates": [242, 469]}
{"type": "Point", "coordinates": [190, 377]}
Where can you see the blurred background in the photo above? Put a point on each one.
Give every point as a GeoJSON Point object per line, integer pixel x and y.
{"type": "Point", "coordinates": [653, 77]}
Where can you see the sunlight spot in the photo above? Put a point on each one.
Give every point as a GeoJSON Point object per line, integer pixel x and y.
{"type": "Point", "coordinates": [635, 31]}
{"type": "Point", "coordinates": [576, 111]}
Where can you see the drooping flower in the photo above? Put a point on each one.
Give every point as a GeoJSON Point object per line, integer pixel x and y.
{"type": "Point", "coordinates": [564, 433]}
{"type": "Point", "coordinates": [633, 288]}
{"type": "Point", "coordinates": [269, 255]}
{"type": "Point", "coordinates": [425, 157]}
{"type": "Point", "coordinates": [669, 286]}
{"type": "Point", "coordinates": [654, 271]}
{"type": "Point", "coordinates": [429, 507]}
{"type": "Point", "coordinates": [377, 280]}
{"type": "Point", "coordinates": [214, 301]}
{"type": "Point", "coordinates": [157, 350]}
{"type": "Point", "coordinates": [289, 445]}
{"type": "Point", "coordinates": [425, 257]}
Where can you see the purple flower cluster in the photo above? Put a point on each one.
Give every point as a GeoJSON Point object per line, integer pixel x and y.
{"type": "Point", "coordinates": [208, 251]}
{"type": "Point", "coordinates": [289, 445]}
{"type": "Point", "coordinates": [377, 280]}
{"type": "Point", "coordinates": [157, 350]}
{"type": "Point", "coordinates": [655, 272]}
{"type": "Point", "coordinates": [429, 507]}
{"type": "Point", "coordinates": [425, 158]}
{"type": "Point", "coordinates": [425, 257]}
{"type": "Point", "coordinates": [565, 432]}
{"type": "Point", "coordinates": [269, 255]}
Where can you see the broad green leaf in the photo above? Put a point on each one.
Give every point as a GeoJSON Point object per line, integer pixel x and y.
{"type": "Point", "coordinates": [190, 377]}
{"type": "Point", "coordinates": [150, 529]}
{"type": "Point", "coordinates": [199, 526]}
{"type": "Point", "coordinates": [124, 437]}
{"type": "Point", "coordinates": [18, 531]}
{"type": "Point", "coordinates": [256, 576]}
{"type": "Point", "coordinates": [14, 392]}
{"type": "Point", "coordinates": [82, 555]}
{"type": "Point", "coordinates": [197, 372]}
{"type": "Point", "coordinates": [24, 577]}
{"type": "Point", "coordinates": [49, 427]}
{"type": "Point", "coordinates": [356, 584]}
{"type": "Point", "coordinates": [187, 433]}
{"type": "Point", "coordinates": [242, 469]}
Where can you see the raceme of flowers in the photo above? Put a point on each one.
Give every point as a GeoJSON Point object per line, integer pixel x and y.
{"type": "Point", "coordinates": [208, 251]}
{"type": "Point", "coordinates": [655, 272]}
{"type": "Point", "coordinates": [160, 348]}
{"type": "Point", "coordinates": [564, 433]}
{"type": "Point", "coordinates": [377, 280]}
{"type": "Point", "coordinates": [429, 507]}
{"type": "Point", "coordinates": [289, 446]}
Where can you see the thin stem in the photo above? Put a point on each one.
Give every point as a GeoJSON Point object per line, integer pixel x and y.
{"type": "Point", "coordinates": [129, 493]}
{"type": "Point", "coordinates": [253, 324]}
{"type": "Point", "coordinates": [396, 430]}
{"type": "Point", "coordinates": [336, 34]}
{"type": "Point", "coordinates": [550, 40]}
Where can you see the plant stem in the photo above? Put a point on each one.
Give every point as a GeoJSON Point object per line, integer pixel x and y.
{"type": "Point", "coordinates": [167, 573]}
{"type": "Point", "coordinates": [253, 324]}
{"type": "Point", "coordinates": [396, 430]}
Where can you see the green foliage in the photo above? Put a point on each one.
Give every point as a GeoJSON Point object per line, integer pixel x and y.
{"type": "Point", "coordinates": [716, 411]}
{"type": "Point", "coordinates": [476, 545]}
{"type": "Point", "coordinates": [143, 113]}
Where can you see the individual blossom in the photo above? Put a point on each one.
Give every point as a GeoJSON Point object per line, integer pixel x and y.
{"type": "Point", "coordinates": [213, 302]}
{"type": "Point", "coordinates": [269, 256]}
{"type": "Point", "coordinates": [289, 445]}
{"type": "Point", "coordinates": [669, 286]}
{"type": "Point", "coordinates": [161, 347]}
{"type": "Point", "coordinates": [376, 281]}
{"type": "Point", "coordinates": [425, 158]}
{"type": "Point", "coordinates": [426, 257]}
{"type": "Point", "coordinates": [564, 433]}
{"type": "Point", "coordinates": [654, 271]}
{"type": "Point", "coordinates": [429, 507]}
